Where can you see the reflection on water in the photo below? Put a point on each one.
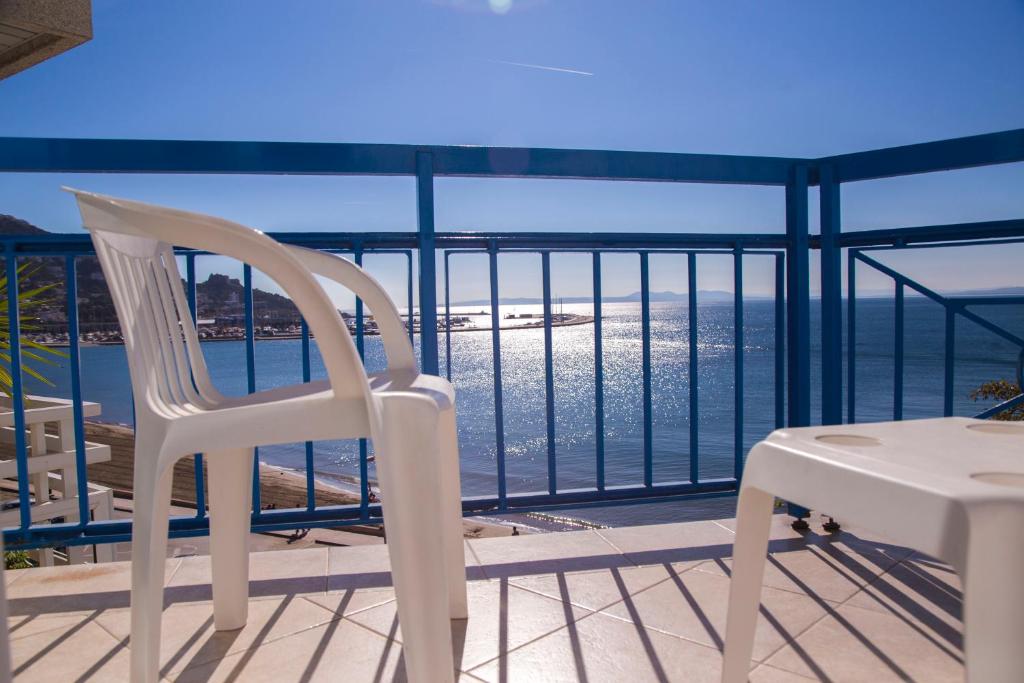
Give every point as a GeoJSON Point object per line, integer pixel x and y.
{"type": "Point", "coordinates": [980, 357]}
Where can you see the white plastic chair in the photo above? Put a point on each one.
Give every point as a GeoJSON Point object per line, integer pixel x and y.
{"type": "Point", "coordinates": [952, 488]}
{"type": "Point", "coordinates": [409, 416]}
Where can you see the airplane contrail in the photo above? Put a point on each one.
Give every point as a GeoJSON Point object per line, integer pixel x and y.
{"type": "Point", "coordinates": [544, 68]}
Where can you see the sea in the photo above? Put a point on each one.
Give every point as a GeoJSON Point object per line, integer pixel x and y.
{"type": "Point", "coordinates": [980, 357]}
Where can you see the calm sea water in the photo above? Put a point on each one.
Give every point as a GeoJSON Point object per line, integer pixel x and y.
{"type": "Point", "coordinates": [980, 356]}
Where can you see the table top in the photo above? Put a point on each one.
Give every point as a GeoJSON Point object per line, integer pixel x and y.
{"type": "Point", "coordinates": [958, 455]}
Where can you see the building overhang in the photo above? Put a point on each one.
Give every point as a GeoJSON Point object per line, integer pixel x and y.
{"type": "Point", "coordinates": [32, 31]}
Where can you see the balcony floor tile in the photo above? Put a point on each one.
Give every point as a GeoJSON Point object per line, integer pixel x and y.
{"type": "Point", "coordinates": [598, 589]}
{"type": "Point", "coordinates": [503, 617]}
{"type": "Point", "coordinates": [570, 606]}
{"type": "Point", "coordinates": [599, 648]}
{"type": "Point", "coordinates": [82, 651]}
{"type": "Point", "coordinates": [684, 543]}
{"type": "Point", "coordinates": [693, 605]}
{"type": "Point", "coordinates": [854, 644]}
{"type": "Point", "coordinates": [545, 553]}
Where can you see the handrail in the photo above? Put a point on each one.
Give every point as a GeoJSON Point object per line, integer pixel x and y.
{"type": "Point", "coordinates": [789, 246]}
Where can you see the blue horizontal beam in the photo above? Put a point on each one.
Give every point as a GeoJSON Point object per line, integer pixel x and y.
{"type": "Point", "coordinates": [944, 155]}
{"type": "Point", "coordinates": [924, 234]}
{"type": "Point", "coordinates": [80, 244]}
{"type": "Point", "coordinates": [64, 155]}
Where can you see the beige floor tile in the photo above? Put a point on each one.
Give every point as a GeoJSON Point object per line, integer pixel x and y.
{"type": "Point", "coordinates": [501, 617]}
{"type": "Point", "coordinates": [597, 589]}
{"type": "Point", "coordinates": [767, 674]}
{"type": "Point", "coordinates": [278, 572]}
{"type": "Point", "coordinates": [599, 649]}
{"type": "Point", "coordinates": [337, 651]}
{"type": "Point", "coordinates": [188, 637]}
{"type": "Point", "coordinates": [922, 591]}
{"type": "Point", "coordinates": [358, 567]}
{"type": "Point", "coordinates": [693, 605]}
{"type": "Point", "coordinates": [352, 600]}
{"type": "Point", "coordinates": [855, 645]}
{"type": "Point", "coordinates": [75, 588]}
{"type": "Point", "coordinates": [829, 571]}
{"type": "Point", "coordinates": [12, 575]}
{"type": "Point", "coordinates": [685, 542]}
{"type": "Point", "coordinates": [31, 624]}
{"type": "Point", "coordinates": [370, 567]}
{"type": "Point", "coordinates": [79, 653]}
{"type": "Point", "coordinates": [545, 554]}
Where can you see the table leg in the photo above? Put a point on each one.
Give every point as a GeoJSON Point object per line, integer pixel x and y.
{"type": "Point", "coordinates": [753, 521]}
{"type": "Point", "coordinates": [994, 600]}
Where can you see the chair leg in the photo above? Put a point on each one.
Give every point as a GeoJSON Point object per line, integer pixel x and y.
{"type": "Point", "coordinates": [994, 597]}
{"type": "Point", "coordinates": [407, 465]}
{"type": "Point", "coordinates": [451, 511]}
{"type": "Point", "coordinates": [152, 500]}
{"type": "Point", "coordinates": [230, 522]}
{"type": "Point", "coordinates": [753, 521]}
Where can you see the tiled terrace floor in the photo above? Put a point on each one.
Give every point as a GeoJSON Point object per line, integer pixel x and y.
{"type": "Point", "coordinates": [628, 604]}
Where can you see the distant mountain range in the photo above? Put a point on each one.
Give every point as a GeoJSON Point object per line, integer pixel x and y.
{"type": "Point", "coordinates": [221, 295]}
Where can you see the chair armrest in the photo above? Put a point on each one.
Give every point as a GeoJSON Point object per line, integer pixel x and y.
{"type": "Point", "coordinates": [392, 331]}
{"type": "Point", "coordinates": [218, 236]}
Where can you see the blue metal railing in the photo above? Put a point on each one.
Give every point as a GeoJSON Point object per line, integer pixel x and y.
{"type": "Point", "coordinates": [953, 307]}
{"type": "Point", "coordinates": [790, 250]}
{"type": "Point", "coordinates": [649, 487]}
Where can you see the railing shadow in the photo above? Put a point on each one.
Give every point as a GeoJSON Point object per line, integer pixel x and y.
{"type": "Point", "coordinates": [880, 571]}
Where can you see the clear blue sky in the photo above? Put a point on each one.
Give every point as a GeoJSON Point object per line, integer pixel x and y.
{"type": "Point", "coordinates": [795, 78]}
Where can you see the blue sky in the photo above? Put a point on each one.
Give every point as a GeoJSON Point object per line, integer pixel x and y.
{"type": "Point", "coordinates": [795, 78]}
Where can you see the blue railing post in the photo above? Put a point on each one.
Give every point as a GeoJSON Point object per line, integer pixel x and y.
{"type": "Point", "coordinates": [780, 341]}
{"type": "Point", "coordinates": [798, 303]}
{"type": "Point", "coordinates": [75, 358]}
{"type": "Point", "coordinates": [193, 309]}
{"type": "Point", "coordinates": [738, 344]}
{"type": "Point", "coordinates": [645, 370]}
{"type": "Point", "coordinates": [598, 375]}
{"type": "Point", "coordinates": [17, 386]}
{"type": "Point", "coordinates": [364, 453]}
{"type": "Point", "coordinates": [428, 266]}
{"type": "Point", "coordinates": [851, 336]}
{"type": "Point", "coordinates": [499, 411]}
{"type": "Point", "coordinates": [250, 372]}
{"type": "Point", "coordinates": [549, 373]}
{"type": "Point", "coordinates": [694, 378]}
{"type": "Point", "coordinates": [831, 301]}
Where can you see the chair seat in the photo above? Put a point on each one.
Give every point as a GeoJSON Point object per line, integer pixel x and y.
{"type": "Point", "coordinates": [293, 413]}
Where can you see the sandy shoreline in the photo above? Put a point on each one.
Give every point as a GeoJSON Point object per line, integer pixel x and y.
{"type": "Point", "coordinates": [280, 488]}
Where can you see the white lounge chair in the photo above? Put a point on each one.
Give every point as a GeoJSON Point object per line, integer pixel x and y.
{"type": "Point", "coordinates": [409, 416]}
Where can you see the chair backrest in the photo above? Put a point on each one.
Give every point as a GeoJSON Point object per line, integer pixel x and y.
{"type": "Point", "coordinates": [164, 356]}
{"type": "Point", "coordinates": [134, 241]}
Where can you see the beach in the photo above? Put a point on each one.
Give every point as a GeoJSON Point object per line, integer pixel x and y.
{"type": "Point", "coordinates": [280, 488]}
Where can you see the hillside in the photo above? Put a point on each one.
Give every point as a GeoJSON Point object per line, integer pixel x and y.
{"type": "Point", "coordinates": [219, 296]}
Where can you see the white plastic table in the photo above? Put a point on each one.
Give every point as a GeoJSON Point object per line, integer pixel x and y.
{"type": "Point", "coordinates": [952, 488]}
